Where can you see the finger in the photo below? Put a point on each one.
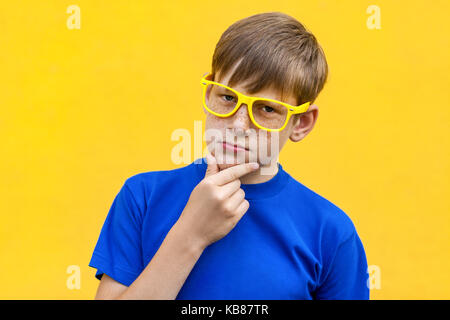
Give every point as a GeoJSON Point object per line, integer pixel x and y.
{"type": "Point", "coordinates": [233, 173]}
{"type": "Point", "coordinates": [236, 199]}
{"type": "Point", "coordinates": [242, 209]}
{"type": "Point", "coordinates": [231, 187]}
{"type": "Point", "coordinates": [212, 168]}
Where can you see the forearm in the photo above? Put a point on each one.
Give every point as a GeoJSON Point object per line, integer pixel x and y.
{"type": "Point", "coordinates": [169, 268]}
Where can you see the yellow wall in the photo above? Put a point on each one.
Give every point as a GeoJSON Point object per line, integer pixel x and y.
{"type": "Point", "coordinates": [81, 110]}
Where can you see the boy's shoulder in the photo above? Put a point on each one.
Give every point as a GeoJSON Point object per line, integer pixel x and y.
{"type": "Point", "coordinates": [333, 219]}
{"type": "Point", "coordinates": [158, 186]}
{"type": "Point", "coordinates": [175, 177]}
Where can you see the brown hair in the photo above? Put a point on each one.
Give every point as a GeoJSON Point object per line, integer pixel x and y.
{"type": "Point", "coordinates": [273, 50]}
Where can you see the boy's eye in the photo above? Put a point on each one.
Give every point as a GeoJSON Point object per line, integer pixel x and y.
{"type": "Point", "coordinates": [228, 98]}
{"type": "Point", "coordinates": [268, 109]}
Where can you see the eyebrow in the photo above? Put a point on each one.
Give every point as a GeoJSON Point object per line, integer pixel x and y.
{"type": "Point", "coordinates": [227, 90]}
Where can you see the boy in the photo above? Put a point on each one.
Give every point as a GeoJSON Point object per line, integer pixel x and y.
{"type": "Point", "coordinates": [224, 229]}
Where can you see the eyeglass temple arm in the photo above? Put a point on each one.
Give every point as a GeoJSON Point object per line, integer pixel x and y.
{"type": "Point", "coordinates": [301, 108]}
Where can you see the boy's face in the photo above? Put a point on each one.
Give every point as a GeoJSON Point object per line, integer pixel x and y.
{"type": "Point", "coordinates": [238, 129]}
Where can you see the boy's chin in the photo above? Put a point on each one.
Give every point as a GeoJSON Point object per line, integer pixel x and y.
{"type": "Point", "coordinates": [228, 161]}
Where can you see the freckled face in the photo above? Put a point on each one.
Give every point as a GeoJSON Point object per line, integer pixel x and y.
{"type": "Point", "coordinates": [238, 129]}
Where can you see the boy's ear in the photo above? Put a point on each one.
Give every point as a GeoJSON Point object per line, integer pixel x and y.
{"type": "Point", "coordinates": [304, 123]}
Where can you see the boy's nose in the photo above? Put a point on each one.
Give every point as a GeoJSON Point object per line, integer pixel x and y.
{"type": "Point", "coordinates": [241, 119]}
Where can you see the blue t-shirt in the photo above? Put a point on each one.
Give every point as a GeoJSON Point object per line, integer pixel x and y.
{"type": "Point", "coordinates": [290, 244]}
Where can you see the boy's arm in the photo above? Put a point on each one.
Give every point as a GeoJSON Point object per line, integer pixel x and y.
{"type": "Point", "coordinates": [164, 276]}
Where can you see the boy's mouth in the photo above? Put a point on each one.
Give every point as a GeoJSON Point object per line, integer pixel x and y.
{"type": "Point", "coordinates": [233, 147]}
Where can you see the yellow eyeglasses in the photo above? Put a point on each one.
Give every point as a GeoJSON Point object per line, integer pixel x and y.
{"type": "Point", "coordinates": [266, 114]}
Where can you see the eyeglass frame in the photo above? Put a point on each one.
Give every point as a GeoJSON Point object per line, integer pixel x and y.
{"type": "Point", "coordinates": [242, 98]}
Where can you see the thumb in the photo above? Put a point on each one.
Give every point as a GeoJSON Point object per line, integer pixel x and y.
{"type": "Point", "coordinates": [212, 165]}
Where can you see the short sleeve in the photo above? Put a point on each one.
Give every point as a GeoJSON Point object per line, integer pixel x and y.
{"type": "Point", "coordinates": [347, 274]}
{"type": "Point", "coordinates": [118, 250]}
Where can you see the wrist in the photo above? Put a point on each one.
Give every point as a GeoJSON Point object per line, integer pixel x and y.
{"type": "Point", "coordinates": [185, 239]}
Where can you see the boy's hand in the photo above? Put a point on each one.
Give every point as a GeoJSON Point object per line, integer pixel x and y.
{"type": "Point", "coordinates": [216, 204]}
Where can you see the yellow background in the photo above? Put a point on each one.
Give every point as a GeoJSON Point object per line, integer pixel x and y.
{"type": "Point", "coordinates": [82, 110]}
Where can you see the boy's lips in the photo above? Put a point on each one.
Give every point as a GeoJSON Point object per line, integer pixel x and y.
{"type": "Point", "coordinates": [233, 147]}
